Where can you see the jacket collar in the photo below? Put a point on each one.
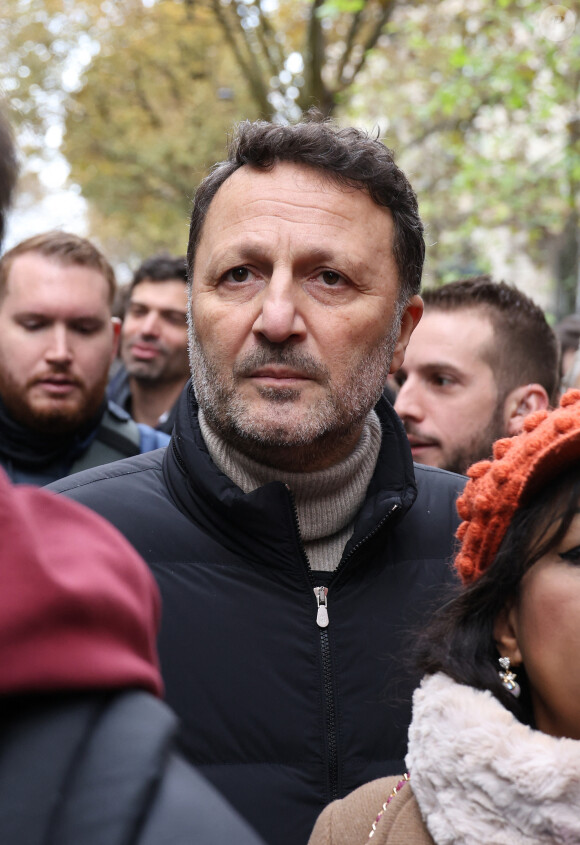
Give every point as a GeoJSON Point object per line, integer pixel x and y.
{"type": "Point", "coordinates": [480, 775]}
{"type": "Point", "coordinates": [200, 488]}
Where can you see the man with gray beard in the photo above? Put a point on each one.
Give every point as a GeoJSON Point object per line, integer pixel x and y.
{"type": "Point", "coordinates": [295, 546]}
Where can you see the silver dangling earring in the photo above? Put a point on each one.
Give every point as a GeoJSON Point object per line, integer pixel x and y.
{"type": "Point", "coordinates": [508, 678]}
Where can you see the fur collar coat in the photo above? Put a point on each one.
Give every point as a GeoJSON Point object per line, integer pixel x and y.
{"type": "Point", "coordinates": [477, 775]}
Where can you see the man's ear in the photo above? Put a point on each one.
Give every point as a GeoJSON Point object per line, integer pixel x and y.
{"type": "Point", "coordinates": [505, 634]}
{"type": "Point", "coordinates": [411, 316]}
{"type": "Point", "coordinates": [523, 400]}
{"type": "Point", "coordinates": [116, 322]}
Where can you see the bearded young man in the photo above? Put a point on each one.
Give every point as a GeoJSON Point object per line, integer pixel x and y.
{"type": "Point", "coordinates": [57, 342]}
{"type": "Point", "coordinates": [294, 547]}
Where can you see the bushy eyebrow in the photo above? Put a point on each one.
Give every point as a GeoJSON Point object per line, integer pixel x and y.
{"type": "Point", "coordinates": [237, 255]}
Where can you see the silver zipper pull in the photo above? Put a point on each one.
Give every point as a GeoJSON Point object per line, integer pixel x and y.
{"type": "Point", "coordinates": [322, 612]}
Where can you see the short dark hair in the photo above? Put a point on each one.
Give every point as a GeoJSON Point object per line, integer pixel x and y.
{"type": "Point", "coordinates": [348, 156]}
{"type": "Point", "coordinates": [8, 170]}
{"type": "Point", "coordinates": [525, 348]}
{"type": "Point", "coordinates": [65, 249]}
{"type": "Point", "coordinates": [460, 641]}
{"type": "Point", "coordinates": [160, 268]}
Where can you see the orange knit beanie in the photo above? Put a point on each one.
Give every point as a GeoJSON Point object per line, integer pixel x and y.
{"type": "Point", "coordinates": [548, 444]}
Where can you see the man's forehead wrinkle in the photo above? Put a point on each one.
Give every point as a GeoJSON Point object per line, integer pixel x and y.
{"type": "Point", "coordinates": [260, 230]}
{"type": "Point", "coordinates": [234, 231]}
{"type": "Point", "coordinates": [261, 209]}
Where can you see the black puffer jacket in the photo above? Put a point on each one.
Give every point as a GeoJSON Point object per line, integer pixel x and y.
{"type": "Point", "coordinates": [280, 714]}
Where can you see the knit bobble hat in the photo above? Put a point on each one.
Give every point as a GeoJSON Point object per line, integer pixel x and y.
{"type": "Point", "coordinates": [549, 442]}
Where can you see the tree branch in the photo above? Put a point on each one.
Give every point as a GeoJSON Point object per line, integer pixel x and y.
{"type": "Point", "coordinates": [315, 89]}
{"type": "Point", "coordinates": [267, 39]}
{"type": "Point", "coordinates": [249, 67]}
{"type": "Point", "coordinates": [373, 37]}
{"type": "Point", "coordinates": [349, 42]}
{"type": "Point", "coordinates": [154, 118]}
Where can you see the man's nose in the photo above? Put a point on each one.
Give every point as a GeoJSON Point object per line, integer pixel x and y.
{"type": "Point", "coordinates": [280, 317]}
{"type": "Point", "coordinates": [59, 349]}
{"type": "Point", "coordinates": [150, 324]}
{"type": "Point", "coordinates": [408, 403]}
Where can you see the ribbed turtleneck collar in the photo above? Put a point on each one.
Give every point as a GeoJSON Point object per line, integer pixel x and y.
{"type": "Point", "coordinates": [327, 501]}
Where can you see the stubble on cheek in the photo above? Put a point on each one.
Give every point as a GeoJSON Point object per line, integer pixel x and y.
{"type": "Point", "coordinates": [259, 418]}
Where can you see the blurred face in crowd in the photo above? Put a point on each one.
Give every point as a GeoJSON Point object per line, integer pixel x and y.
{"type": "Point", "coordinates": [541, 631]}
{"type": "Point", "coordinates": [154, 334]}
{"type": "Point", "coordinates": [295, 315]}
{"type": "Point", "coordinates": [57, 341]}
{"type": "Point", "coordinates": [448, 397]}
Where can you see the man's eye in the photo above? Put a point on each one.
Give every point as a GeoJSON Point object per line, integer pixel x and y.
{"type": "Point", "coordinates": [32, 325]}
{"type": "Point", "coordinates": [443, 381]}
{"type": "Point", "coordinates": [177, 319]}
{"type": "Point", "coordinates": [329, 277]}
{"type": "Point", "coordinates": [239, 274]}
{"type": "Point", "coordinates": [86, 328]}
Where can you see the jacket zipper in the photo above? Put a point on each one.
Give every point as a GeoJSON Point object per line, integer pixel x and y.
{"type": "Point", "coordinates": [322, 613]}
{"type": "Point", "coordinates": [372, 533]}
{"type": "Point", "coordinates": [323, 621]}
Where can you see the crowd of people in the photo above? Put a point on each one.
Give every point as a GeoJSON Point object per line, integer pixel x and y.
{"type": "Point", "coordinates": [353, 641]}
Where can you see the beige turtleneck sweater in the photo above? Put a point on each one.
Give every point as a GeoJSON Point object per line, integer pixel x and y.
{"type": "Point", "coordinates": [327, 501]}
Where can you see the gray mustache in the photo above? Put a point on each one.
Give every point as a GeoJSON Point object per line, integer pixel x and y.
{"type": "Point", "coordinates": [304, 363]}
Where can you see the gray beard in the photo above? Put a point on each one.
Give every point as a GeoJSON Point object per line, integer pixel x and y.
{"type": "Point", "coordinates": [324, 425]}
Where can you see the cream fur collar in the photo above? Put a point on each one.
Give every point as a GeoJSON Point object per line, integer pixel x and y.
{"type": "Point", "coordinates": [482, 778]}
